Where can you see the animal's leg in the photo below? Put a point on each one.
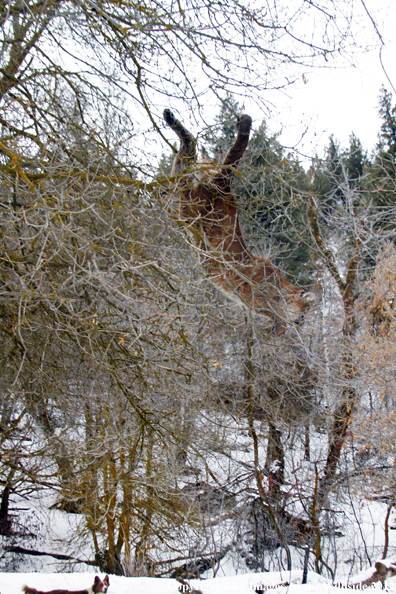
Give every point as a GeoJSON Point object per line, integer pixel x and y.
{"type": "Point", "coordinates": [234, 154]}
{"type": "Point", "coordinates": [187, 152]}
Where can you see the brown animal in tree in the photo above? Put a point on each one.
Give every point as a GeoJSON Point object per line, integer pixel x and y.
{"type": "Point", "coordinates": [209, 206]}
{"type": "Point", "coordinates": [97, 587]}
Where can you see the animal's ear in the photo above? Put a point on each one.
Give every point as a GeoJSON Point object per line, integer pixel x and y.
{"type": "Point", "coordinates": [106, 580]}
{"type": "Point", "coordinates": [96, 580]}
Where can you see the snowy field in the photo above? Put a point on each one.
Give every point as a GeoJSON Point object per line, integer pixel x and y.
{"type": "Point", "coordinates": [40, 527]}
{"type": "Point", "coordinates": [11, 583]}
{"type": "Point", "coordinates": [53, 531]}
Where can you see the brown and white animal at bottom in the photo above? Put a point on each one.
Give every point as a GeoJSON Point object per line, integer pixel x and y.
{"type": "Point", "coordinates": [381, 571]}
{"type": "Point", "coordinates": [186, 588]}
{"type": "Point", "coordinates": [97, 587]}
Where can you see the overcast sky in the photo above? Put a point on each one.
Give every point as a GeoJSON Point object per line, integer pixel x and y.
{"type": "Point", "coordinates": [329, 100]}
{"type": "Point", "coordinates": [342, 100]}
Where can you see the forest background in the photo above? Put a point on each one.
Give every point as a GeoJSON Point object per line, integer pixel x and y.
{"type": "Point", "coordinates": [173, 421]}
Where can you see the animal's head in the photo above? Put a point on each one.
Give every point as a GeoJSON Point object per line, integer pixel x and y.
{"type": "Point", "coordinates": [292, 309]}
{"type": "Point", "coordinates": [99, 586]}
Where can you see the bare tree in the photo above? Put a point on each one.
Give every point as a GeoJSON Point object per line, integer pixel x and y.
{"type": "Point", "coordinates": [111, 336]}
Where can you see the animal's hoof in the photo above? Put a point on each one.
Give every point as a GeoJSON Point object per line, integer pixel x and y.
{"type": "Point", "coordinates": [169, 117]}
{"type": "Point", "coordinates": [244, 124]}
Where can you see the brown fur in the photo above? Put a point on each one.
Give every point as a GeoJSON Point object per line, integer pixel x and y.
{"type": "Point", "coordinates": [208, 204]}
{"type": "Point", "coordinates": [380, 574]}
{"type": "Point", "coordinates": [97, 587]}
{"type": "Point", "coordinates": [186, 588]}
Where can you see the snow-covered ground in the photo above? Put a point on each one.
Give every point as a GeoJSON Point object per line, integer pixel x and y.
{"type": "Point", "coordinates": [55, 529]}
{"type": "Point", "coordinates": [11, 583]}
{"type": "Point", "coordinates": [37, 526]}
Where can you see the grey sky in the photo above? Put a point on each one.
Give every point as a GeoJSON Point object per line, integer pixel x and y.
{"type": "Point", "coordinates": [343, 99]}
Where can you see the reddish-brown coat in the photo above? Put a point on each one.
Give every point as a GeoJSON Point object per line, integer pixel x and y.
{"type": "Point", "coordinates": [208, 205]}
{"type": "Point", "coordinates": [97, 587]}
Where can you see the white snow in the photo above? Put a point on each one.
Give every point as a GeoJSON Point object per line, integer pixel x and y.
{"type": "Point", "coordinates": [12, 583]}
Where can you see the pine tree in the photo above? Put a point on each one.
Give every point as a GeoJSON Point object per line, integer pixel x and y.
{"type": "Point", "coordinates": [329, 175]}
{"type": "Point", "coordinates": [219, 138]}
{"type": "Point", "coordinates": [355, 160]}
{"type": "Point", "coordinates": [388, 127]}
{"type": "Point", "coordinates": [382, 179]}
